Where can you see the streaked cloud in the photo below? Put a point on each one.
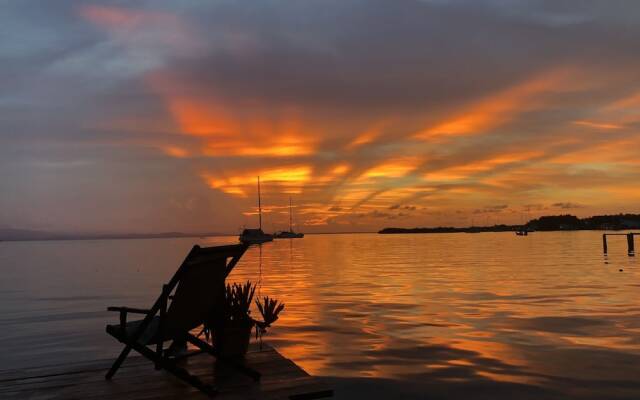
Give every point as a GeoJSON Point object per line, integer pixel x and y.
{"type": "Point", "coordinates": [500, 108]}
{"type": "Point", "coordinates": [288, 180]}
{"type": "Point", "coordinates": [598, 125]}
{"type": "Point", "coordinates": [393, 168]}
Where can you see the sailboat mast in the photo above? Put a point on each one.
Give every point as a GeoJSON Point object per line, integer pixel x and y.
{"type": "Point", "coordinates": [259, 205]}
{"type": "Point", "coordinates": [290, 218]}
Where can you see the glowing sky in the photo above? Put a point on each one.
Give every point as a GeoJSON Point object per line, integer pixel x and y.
{"type": "Point", "coordinates": [158, 115]}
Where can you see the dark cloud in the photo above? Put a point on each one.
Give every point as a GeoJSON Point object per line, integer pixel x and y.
{"type": "Point", "coordinates": [491, 209]}
{"type": "Point", "coordinates": [567, 205]}
{"type": "Point", "coordinates": [375, 52]}
{"type": "Point", "coordinates": [402, 207]}
{"type": "Point", "coordinates": [534, 207]}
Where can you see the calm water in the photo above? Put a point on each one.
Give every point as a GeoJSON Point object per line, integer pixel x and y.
{"type": "Point", "coordinates": [426, 316]}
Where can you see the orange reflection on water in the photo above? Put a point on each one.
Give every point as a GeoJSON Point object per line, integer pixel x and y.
{"type": "Point", "coordinates": [453, 307]}
{"type": "Point", "coordinates": [447, 311]}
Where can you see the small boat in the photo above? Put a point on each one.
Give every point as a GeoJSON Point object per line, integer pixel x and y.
{"type": "Point", "coordinates": [290, 234]}
{"type": "Point", "coordinates": [524, 229]}
{"type": "Point", "coordinates": [256, 235]}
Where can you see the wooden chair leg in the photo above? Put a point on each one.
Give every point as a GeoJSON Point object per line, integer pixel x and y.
{"type": "Point", "coordinates": [191, 379]}
{"type": "Point", "coordinates": [179, 372]}
{"type": "Point", "coordinates": [163, 312]}
{"type": "Point", "coordinates": [118, 362]}
{"type": "Point", "coordinates": [159, 351]}
{"type": "Point", "coordinates": [255, 375]}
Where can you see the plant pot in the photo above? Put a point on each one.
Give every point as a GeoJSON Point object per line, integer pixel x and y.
{"type": "Point", "coordinates": [232, 340]}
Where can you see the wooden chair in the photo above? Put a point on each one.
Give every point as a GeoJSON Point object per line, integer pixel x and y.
{"type": "Point", "coordinates": [199, 293]}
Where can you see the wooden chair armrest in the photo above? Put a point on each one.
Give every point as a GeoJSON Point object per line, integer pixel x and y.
{"type": "Point", "coordinates": [123, 315]}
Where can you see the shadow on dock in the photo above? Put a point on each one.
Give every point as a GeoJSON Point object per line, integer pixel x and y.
{"type": "Point", "coordinates": [281, 379]}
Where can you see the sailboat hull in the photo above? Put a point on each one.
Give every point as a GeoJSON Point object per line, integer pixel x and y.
{"type": "Point", "coordinates": [255, 240]}
{"type": "Point", "coordinates": [254, 236]}
{"type": "Point", "coordinates": [289, 235]}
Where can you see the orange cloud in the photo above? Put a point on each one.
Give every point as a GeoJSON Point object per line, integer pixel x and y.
{"type": "Point", "coordinates": [620, 151]}
{"type": "Point", "coordinates": [333, 174]}
{"type": "Point", "coordinates": [629, 102]}
{"type": "Point", "coordinates": [198, 118]}
{"type": "Point", "coordinates": [598, 125]}
{"type": "Point", "coordinates": [394, 168]}
{"type": "Point", "coordinates": [368, 136]}
{"type": "Point", "coordinates": [340, 169]}
{"type": "Point", "coordinates": [223, 131]}
{"type": "Point", "coordinates": [288, 180]}
{"type": "Point", "coordinates": [499, 108]}
{"type": "Point", "coordinates": [114, 17]}
{"type": "Point", "coordinates": [467, 170]}
{"type": "Point", "coordinates": [175, 151]}
{"type": "Point", "coordinates": [132, 27]}
{"type": "Point", "coordinates": [193, 115]}
{"type": "Point", "coordinates": [281, 147]}
{"type": "Point", "coordinates": [623, 110]}
{"type": "Point", "coordinates": [624, 192]}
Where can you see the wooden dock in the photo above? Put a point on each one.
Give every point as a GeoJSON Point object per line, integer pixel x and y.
{"type": "Point", "coordinates": [137, 379]}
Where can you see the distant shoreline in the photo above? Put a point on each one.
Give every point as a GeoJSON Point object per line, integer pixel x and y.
{"type": "Point", "coordinates": [551, 223]}
{"type": "Point", "coordinates": [446, 229]}
{"type": "Point", "coordinates": [480, 229]}
{"type": "Point", "coordinates": [48, 237]}
{"type": "Point", "coordinates": [36, 236]}
{"type": "Point", "coordinates": [545, 223]}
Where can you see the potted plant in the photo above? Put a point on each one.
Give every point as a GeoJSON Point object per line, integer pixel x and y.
{"type": "Point", "coordinates": [232, 330]}
{"type": "Point", "coordinates": [269, 310]}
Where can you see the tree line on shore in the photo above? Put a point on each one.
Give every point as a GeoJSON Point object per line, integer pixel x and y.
{"type": "Point", "coordinates": [565, 222]}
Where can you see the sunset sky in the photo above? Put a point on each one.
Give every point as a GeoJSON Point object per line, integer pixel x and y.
{"type": "Point", "coordinates": [147, 116]}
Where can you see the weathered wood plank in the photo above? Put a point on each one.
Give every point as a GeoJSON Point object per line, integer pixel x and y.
{"type": "Point", "coordinates": [138, 380]}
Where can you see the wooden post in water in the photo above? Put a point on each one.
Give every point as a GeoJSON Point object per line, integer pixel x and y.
{"type": "Point", "coordinates": [259, 206]}
{"type": "Point", "coordinates": [604, 243]}
{"type": "Point", "coordinates": [631, 245]}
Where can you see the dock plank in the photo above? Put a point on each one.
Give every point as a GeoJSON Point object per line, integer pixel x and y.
{"type": "Point", "coordinates": [138, 380]}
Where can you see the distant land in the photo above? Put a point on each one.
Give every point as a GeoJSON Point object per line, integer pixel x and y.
{"type": "Point", "coordinates": [25, 234]}
{"type": "Point", "coordinates": [547, 223]}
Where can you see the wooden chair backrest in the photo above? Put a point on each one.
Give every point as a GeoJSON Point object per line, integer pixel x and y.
{"type": "Point", "coordinates": [200, 290]}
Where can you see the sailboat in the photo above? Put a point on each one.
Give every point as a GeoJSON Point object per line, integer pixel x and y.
{"type": "Point", "coordinates": [524, 230]}
{"type": "Point", "coordinates": [290, 234]}
{"type": "Point", "coordinates": [253, 235]}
